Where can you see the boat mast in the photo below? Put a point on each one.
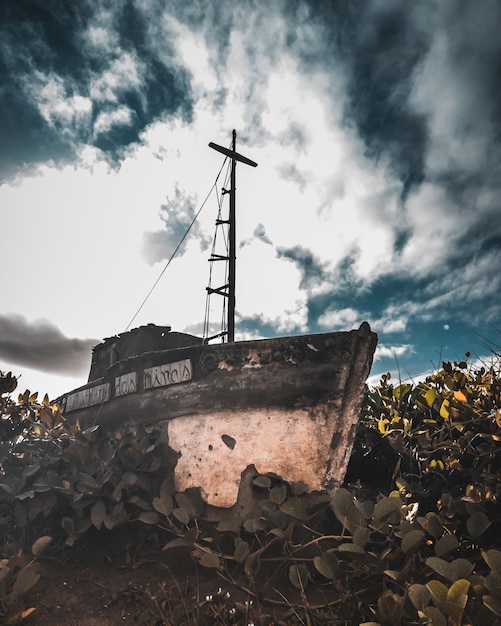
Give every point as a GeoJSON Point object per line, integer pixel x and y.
{"type": "Point", "coordinates": [229, 289]}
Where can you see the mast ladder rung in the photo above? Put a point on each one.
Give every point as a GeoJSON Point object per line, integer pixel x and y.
{"type": "Point", "coordinates": [222, 291]}
{"type": "Point", "coordinates": [222, 334]}
{"type": "Point", "coordinates": [218, 257]}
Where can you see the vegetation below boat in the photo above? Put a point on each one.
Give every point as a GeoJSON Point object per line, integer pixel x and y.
{"type": "Point", "coordinates": [412, 538]}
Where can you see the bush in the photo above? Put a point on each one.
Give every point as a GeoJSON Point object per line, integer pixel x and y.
{"type": "Point", "coordinates": [418, 544]}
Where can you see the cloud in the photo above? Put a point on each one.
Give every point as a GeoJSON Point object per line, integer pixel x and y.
{"type": "Point", "coordinates": [376, 127]}
{"type": "Point", "coordinates": [81, 75]}
{"type": "Point", "coordinates": [41, 346]}
{"type": "Point", "coordinates": [310, 267]}
{"type": "Point", "coordinates": [341, 319]}
{"type": "Point", "coordinates": [384, 351]}
{"type": "Point", "coordinates": [260, 233]}
{"type": "Point", "coordinates": [378, 46]}
{"type": "Point", "coordinates": [177, 214]}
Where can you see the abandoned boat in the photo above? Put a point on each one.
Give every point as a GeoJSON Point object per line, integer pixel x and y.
{"type": "Point", "coordinates": [288, 406]}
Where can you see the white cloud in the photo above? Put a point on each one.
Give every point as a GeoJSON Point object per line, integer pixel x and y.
{"type": "Point", "coordinates": [384, 351]}
{"type": "Point", "coordinates": [121, 116]}
{"type": "Point", "coordinates": [123, 73]}
{"type": "Point", "coordinates": [341, 319]}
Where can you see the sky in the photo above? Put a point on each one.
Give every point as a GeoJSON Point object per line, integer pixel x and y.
{"type": "Point", "coordinates": [376, 126]}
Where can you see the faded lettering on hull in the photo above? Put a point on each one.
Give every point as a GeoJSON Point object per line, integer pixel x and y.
{"type": "Point", "coordinates": [125, 384]}
{"type": "Point", "coordinates": [88, 397]}
{"type": "Point", "coordinates": [168, 374]}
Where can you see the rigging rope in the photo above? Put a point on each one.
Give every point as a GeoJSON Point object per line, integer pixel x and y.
{"type": "Point", "coordinates": [177, 248]}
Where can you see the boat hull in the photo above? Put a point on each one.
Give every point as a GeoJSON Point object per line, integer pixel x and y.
{"type": "Point", "coordinates": [288, 406]}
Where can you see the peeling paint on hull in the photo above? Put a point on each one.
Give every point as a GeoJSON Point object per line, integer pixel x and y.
{"type": "Point", "coordinates": [289, 444]}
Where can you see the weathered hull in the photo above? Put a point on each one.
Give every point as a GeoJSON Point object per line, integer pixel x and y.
{"type": "Point", "coordinates": [288, 406]}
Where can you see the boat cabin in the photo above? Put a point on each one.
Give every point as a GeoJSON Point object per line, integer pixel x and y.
{"type": "Point", "coordinates": [135, 342]}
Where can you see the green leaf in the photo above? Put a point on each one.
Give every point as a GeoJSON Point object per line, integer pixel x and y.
{"type": "Point", "coordinates": [191, 502]}
{"type": "Point", "coordinates": [278, 494]}
{"type": "Point", "coordinates": [458, 593]}
{"type": "Point", "coordinates": [477, 524]}
{"type": "Point", "coordinates": [149, 517]}
{"type": "Point", "coordinates": [87, 483]}
{"type": "Point", "coordinates": [254, 525]}
{"type": "Point", "coordinates": [493, 604]}
{"type": "Point", "coordinates": [252, 564]}
{"type": "Point", "coordinates": [493, 560]}
{"type": "Point", "coordinates": [419, 595]}
{"type": "Point", "coordinates": [342, 502]}
{"type": "Point", "coordinates": [438, 591]}
{"type": "Point", "coordinates": [25, 579]}
{"type": "Point", "coordinates": [459, 568]}
{"type": "Point", "coordinates": [40, 545]}
{"type": "Point", "coordinates": [351, 548]}
{"type": "Point", "coordinates": [181, 515]}
{"type": "Point", "coordinates": [388, 510]}
{"type": "Point", "coordinates": [390, 607]}
{"type": "Point", "coordinates": [412, 540]}
{"type": "Point", "coordinates": [430, 397]}
{"type": "Point", "coordinates": [346, 510]}
{"type": "Point", "coordinates": [295, 508]}
{"type": "Point", "coordinates": [242, 550]}
{"type": "Point", "coordinates": [361, 537]}
{"type": "Point", "coordinates": [444, 409]}
{"type": "Point", "coordinates": [440, 566]}
{"type": "Point", "coordinates": [299, 488]}
{"type": "Point", "coordinates": [178, 542]}
{"type": "Point", "coordinates": [69, 527]}
{"type": "Point", "coordinates": [328, 565]}
{"type": "Point", "coordinates": [435, 615]}
{"type": "Point", "coordinates": [98, 514]}
{"type": "Point", "coordinates": [432, 524]}
{"type": "Point", "coordinates": [299, 575]}
{"type": "Point", "coordinates": [402, 390]}
{"type": "Point", "coordinates": [446, 545]}
{"type": "Point", "coordinates": [116, 519]}
{"type": "Point", "coordinates": [164, 504]}
{"type": "Point", "coordinates": [262, 481]}
{"type": "Point", "coordinates": [210, 560]}
{"type": "Point", "coordinates": [401, 576]}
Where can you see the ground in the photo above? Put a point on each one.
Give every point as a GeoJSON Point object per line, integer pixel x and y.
{"type": "Point", "coordinates": [124, 577]}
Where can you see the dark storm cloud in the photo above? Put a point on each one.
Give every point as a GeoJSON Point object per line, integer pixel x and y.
{"type": "Point", "coordinates": [378, 45]}
{"type": "Point", "coordinates": [312, 270]}
{"type": "Point", "coordinates": [80, 73]}
{"type": "Point", "coordinates": [385, 49]}
{"type": "Point", "coordinates": [41, 346]}
{"type": "Point", "coordinates": [177, 214]}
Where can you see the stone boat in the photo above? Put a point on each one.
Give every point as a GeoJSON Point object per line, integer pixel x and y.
{"type": "Point", "coordinates": [287, 406]}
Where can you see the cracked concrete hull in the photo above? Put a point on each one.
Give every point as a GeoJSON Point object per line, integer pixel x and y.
{"type": "Point", "coordinates": [215, 451]}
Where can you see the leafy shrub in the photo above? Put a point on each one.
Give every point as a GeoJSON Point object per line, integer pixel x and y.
{"type": "Point", "coordinates": [419, 547]}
